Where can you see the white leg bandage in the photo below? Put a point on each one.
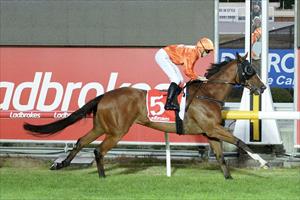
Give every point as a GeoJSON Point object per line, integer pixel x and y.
{"type": "Point", "coordinates": [258, 158]}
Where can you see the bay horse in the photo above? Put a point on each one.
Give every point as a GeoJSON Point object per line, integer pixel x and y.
{"type": "Point", "coordinates": [114, 112]}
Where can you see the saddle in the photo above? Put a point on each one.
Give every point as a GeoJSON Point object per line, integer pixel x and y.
{"type": "Point", "coordinates": [156, 100]}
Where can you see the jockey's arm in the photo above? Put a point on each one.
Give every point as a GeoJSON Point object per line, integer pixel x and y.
{"type": "Point", "coordinates": [256, 35]}
{"type": "Point", "coordinates": [254, 38]}
{"type": "Point", "coordinates": [188, 69]}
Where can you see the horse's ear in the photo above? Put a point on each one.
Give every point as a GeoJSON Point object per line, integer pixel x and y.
{"type": "Point", "coordinates": [238, 57]}
{"type": "Point", "coordinates": [245, 56]}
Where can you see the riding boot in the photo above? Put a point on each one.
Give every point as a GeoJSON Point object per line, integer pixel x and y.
{"type": "Point", "coordinates": [172, 102]}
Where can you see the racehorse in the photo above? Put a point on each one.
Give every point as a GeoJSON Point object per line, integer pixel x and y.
{"type": "Point", "coordinates": [114, 112]}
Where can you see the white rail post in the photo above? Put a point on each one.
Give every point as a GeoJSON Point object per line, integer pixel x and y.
{"type": "Point", "coordinates": [168, 155]}
{"type": "Point", "coordinates": [216, 32]}
{"type": "Point", "coordinates": [296, 78]}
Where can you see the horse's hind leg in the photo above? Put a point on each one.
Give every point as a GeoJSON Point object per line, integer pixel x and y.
{"type": "Point", "coordinates": [81, 142]}
{"type": "Point", "coordinates": [218, 150]}
{"type": "Point", "coordinates": [108, 143]}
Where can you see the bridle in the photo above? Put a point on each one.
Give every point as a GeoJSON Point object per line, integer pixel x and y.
{"type": "Point", "coordinates": [244, 72]}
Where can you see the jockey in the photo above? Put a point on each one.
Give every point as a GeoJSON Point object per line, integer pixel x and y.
{"type": "Point", "coordinates": [255, 38]}
{"type": "Point", "coordinates": [185, 55]}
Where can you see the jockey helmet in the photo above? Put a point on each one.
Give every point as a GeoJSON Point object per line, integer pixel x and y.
{"type": "Point", "coordinates": [205, 44]}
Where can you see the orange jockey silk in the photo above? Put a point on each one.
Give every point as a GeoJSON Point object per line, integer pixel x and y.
{"type": "Point", "coordinates": [185, 56]}
{"type": "Point", "coordinates": [256, 35]}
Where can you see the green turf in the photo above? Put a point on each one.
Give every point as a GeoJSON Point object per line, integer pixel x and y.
{"type": "Point", "coordinates": [31, 179]}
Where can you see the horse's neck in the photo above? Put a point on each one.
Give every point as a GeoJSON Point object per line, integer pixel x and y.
{"type": "Point", "coordinates": [220, 91]}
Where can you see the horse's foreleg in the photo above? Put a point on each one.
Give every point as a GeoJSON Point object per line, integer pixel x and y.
{"type": "Point", "coordinates": [222, 134]}
{"type": "Point", "coordinates": [217, 148]}
{"type": "Point", "coordinates": [108, 143]}
{"type": "Point", "coordinates": [82, 142]}
{"type": "Point", "coordinates": [253, 155]}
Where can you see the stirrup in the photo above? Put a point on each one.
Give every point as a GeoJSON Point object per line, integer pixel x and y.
{"type": "Point", "coordinates": [171, 106]}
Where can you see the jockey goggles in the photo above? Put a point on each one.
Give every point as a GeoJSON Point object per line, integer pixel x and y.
{"type": "Point", "coordinates": [207, 51]}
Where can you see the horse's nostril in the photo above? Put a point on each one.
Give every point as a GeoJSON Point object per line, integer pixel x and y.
{"type": "Point", "coordinates": [263, 87]}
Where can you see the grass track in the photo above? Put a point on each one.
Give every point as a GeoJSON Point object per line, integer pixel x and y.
{"type": "Point", "coordinates": [31, 179]}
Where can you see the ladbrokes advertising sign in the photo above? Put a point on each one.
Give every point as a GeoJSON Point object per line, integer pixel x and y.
{"type": "Point", "coordinates": [39, 85]}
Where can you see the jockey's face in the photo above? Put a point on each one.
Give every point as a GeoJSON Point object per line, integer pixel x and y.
{"type": "Point", "coordinates": [204, 52]}
{"type": "Point", "coordinates": [205, 46]}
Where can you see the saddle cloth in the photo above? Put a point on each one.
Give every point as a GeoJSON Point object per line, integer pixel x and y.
{"type": "Point", "coordinates": [156, 112]}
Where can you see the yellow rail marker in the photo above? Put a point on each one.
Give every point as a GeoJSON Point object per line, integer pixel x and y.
{"type": "Point", "coordinates": [230, 114]}
{"type": "Point", "coordinates": [255, 122]}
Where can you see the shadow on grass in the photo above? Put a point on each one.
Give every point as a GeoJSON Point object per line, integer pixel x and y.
{"type": "Point", "coordinates": [124, 166]}
{"type": "Point", "coordinates": [136, 166]}
{"type": "Point", "coordinates": [249, 173]}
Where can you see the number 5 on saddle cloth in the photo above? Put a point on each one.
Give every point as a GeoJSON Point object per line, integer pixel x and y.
{"type": "Point", "coordinates": [155, 108]}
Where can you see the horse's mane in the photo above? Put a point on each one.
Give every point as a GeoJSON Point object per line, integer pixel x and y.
{"type": "Point", "coordinates": [216, 67]}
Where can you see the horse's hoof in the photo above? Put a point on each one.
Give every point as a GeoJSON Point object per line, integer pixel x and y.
{"type": "Point", "coordinates": [102, 176]}
{"type": "Point", "coordinates": [56, 166]}
{"type": "Point", "coordinates": [228, 177]}
{"type": "Point", "coordinates": [53, 166]}
{"type": "Point", "coordinates": [266, 166]}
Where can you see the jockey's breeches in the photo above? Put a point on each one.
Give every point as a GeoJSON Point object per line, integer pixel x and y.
{"type": "Point", "coordinates": [170, 69]}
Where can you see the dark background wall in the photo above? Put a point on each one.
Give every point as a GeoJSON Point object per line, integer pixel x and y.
{"type": "Point", "coordinates": [105, 23]}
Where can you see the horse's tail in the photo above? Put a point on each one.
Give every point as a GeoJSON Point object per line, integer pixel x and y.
{"type": "Point", "coordinates": [49, 129]}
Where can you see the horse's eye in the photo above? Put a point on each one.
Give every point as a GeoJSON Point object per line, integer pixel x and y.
{"type": "Point", "coordinates": [249, 70]}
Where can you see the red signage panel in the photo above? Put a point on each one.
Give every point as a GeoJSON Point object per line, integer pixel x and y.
{"type": "Point", "coordinates": [40, 84]}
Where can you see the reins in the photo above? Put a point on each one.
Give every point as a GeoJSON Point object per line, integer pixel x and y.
{"type": "Point", "coordinates": [222, 103]}
{"type": "Point", "coordinates": [240, 73]}
{"type": "Point", "coordinates": [194, 94]}
{"type": "Point", "coordinates": [226, 82]}
{"type": "Point", "coordinates": [205, 97]}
